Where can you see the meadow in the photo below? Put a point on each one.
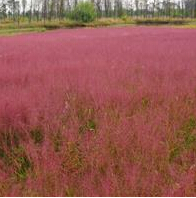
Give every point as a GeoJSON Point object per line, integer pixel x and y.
{"type": "Point", "coordinates": [98, 112]}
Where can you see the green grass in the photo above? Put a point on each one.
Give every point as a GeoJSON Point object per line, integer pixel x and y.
{"type": "Point", "coordinates": [8, 28]}
{"type": "Point", "coordinates": [189, 26]}
{"type": "Point", "coordinates": [10, 32]}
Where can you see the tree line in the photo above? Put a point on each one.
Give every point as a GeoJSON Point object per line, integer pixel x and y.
{"type": "Point", "coordinates": [59, 9]}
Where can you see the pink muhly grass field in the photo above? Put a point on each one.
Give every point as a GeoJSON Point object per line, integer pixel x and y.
{"type": "Point", "coordinates": [98, 112]}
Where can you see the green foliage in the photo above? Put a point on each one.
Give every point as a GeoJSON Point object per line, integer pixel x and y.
{"type": "Point", "coordinates": [16, 159]}
{"type": "Point", "coordinates": [190, 125]}
{"type": "Point", "coordinates": [21, 163]}
{"type": "Point", "coordinates": [9, 140]}
{"type": "Point", "coordinates": [124, 17]}
{"type": "Point", "coordinates": [4, 157]}
{"type": "Point", "coordinates": [37, 135]}
{"type": "Point", "coordinates": [188, 139]}
{"type": "Point", "coordinates": [160, 21]}
{"type": "Point", "coordinates": [2, 153]}
{"type": "Point", "coordinates": [52, 26]}
{"type": "Point", "coordinates": [84, 12]}
{"type": "Point", "coordinates": [90, 125]}
{"type": "Point", "coordinates": [189, 136]}
{"type": "Point", "coordinates": [175, 152]}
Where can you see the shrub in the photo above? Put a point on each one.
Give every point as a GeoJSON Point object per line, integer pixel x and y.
{"type": "Point", "coordinates": [84, 12]}
{"type": "Point", "coordinates": [124, 17]}
{"type": "Point", "coordinates": [160, 21]}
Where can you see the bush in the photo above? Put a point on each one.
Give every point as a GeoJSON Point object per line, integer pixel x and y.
{"type": "Point", "coordinates": [160, 21]}
{"type": "Point", "coordinates": [84, 12]}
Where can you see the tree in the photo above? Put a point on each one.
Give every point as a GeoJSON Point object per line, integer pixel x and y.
{"type": "Point", "coordinates": [3, 10]}
{"type": "Point", "coordinates": [30, 11]}
{"type": "Point", "coordinates": [24, 4]}
{"type": "Point", "coordinates": [62, 9]}
{"type": "Point", "coordinates": [118, 8]}
{"type": "Point", "coordinates": [136, 7]}
{"type": "Point", "coordinates": [44, 7]}
{"type": "Point", "coordinates": [107, 7]}
{"type": "Point", "coordinates": [75, 3]}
